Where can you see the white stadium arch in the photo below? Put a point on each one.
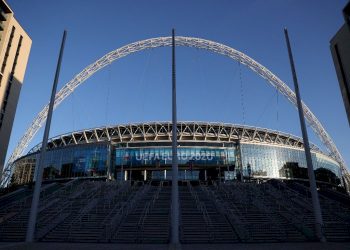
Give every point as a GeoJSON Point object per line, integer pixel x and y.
{"type": "Point", "coordinates": [162, 42]}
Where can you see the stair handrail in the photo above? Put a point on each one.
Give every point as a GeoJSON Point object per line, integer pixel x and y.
{"type": "Point", "coordinates": [259, 195]}
{"type": "Point", "coordinates": [126, 208]}
{"type": "Point", "coordinates": [235, 221]}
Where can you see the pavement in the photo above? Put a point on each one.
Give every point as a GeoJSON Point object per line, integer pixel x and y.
{"type": "Point", "coordinates": [102, 246]}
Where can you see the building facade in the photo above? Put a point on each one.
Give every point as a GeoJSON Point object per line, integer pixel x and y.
{"type": "Point", "coordinates": [340, 50]}
{"type": "Point", "coordinates": [206, 151]}
{"type": "Point", "coordinates": [15, 47]}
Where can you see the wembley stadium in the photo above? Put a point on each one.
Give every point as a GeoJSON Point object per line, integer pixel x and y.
{"type": "Point", "coordinates": [227, 184]}
{"type": "Point", "coordinates": [206, 151]}
{"type": "Point", "coordinates": [237, 184]}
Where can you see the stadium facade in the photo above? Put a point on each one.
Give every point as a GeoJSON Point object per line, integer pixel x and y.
{"type": "Point", "coordinates": [206, 151]}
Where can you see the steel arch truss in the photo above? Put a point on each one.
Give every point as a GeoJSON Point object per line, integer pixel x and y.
{"type": "Point", "coordinates": [162, 42]}
{"type": "Point", "coordinates": [187, 131]}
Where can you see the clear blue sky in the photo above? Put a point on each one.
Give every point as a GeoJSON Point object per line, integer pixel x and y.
{"type": "Point", "coordinates": [137, 88]}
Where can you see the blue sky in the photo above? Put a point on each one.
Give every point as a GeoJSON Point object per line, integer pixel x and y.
{"type": "Point", "coordinates": [210, 87]}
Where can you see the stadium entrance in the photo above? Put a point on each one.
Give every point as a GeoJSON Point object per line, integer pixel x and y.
{"type": "Point", "coordinates": [210, 173]}
{"type": "Point", "coordinates": [154, 163]}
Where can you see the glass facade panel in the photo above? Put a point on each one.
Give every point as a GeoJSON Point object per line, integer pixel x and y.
{"type": "Point", "coordinates": [270, 161]}
{"type": "Point", "coordinates": [76, 161]}
{"type": "Point", "coordinates": [282, 162]}
{"type": "Point", "coordinates": [198, 156]}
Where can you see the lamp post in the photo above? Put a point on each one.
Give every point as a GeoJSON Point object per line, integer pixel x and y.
{"type": "Point", "coordinates": [313, 188]}
{"type": "Point", "coordinates": [174, 186]}
{"type": "Point", "coordinates": [40, 165]}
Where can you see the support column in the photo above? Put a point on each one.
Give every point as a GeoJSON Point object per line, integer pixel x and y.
{"type": "Point", "coordinates": [313, 188]}
{"type": "Point", "coordinates": [122, 173]}
{"type": "Point", "coordinates": [174, 187]}
{"type": "Point", "coordinates": [109, 160]}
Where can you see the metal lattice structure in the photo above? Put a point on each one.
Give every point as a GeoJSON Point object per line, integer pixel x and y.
{"type": "Point", "coordinates": [187, 131]}
{"type": "Point", "coordinates": [162, 42]}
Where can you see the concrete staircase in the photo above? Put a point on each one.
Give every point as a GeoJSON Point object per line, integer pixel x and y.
{"type": "Point", "coordinates": [201, 222]}
{"type": "Point", "coordinates": [336, 215]}
{"type": "Point", "coordinates": [124, 212]}
{"type": "Point", "coordinates": [148, 221]}
{"type": "Point", "coordinates": [15, 212]}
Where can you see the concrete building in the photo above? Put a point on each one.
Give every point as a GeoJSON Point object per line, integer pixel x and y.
{"type": "Point", "coordinates": [15, 46]}
{"type": "Point", "coordinates": [340, 48]}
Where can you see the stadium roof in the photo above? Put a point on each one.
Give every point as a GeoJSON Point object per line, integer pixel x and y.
{"type": "Point", "coordinates": [187, 131]}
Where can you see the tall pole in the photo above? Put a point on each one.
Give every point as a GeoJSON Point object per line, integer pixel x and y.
{"type": "Point", "coordinates": [174, 185]}
{"type": "Point", "coordinates": [40, 165]}
{"type": "Point", "coordinates": [313, 189]}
